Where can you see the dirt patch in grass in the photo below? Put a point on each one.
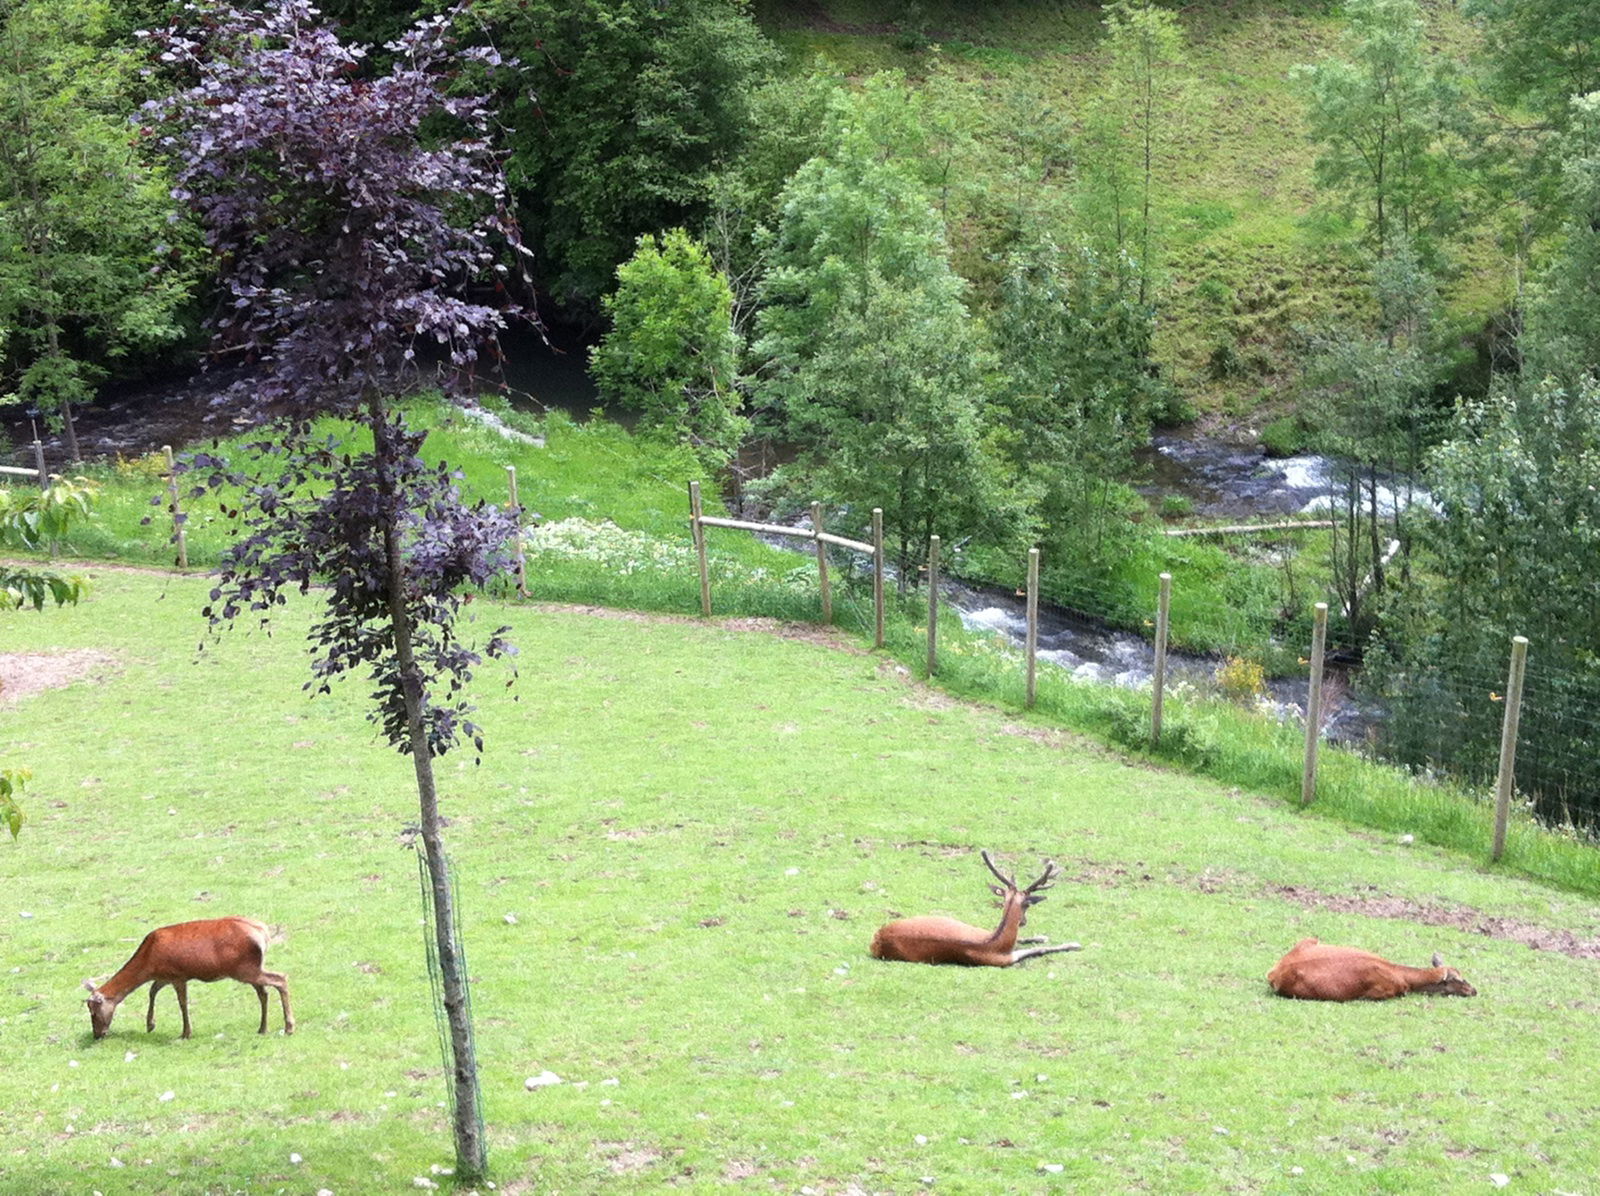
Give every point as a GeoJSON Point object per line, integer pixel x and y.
{"type": "Point", "coordinates": [24, 674]}
{"type": "Point", "coordinates": [627, 1158]}
{"type": "Point", "coordinates": [1374, 905]}
{"type": "Point", "coordinates": [1383, 905]}
{"type": "Point", "coordinates": [822, 637]}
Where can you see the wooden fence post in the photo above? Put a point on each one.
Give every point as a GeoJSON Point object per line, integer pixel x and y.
{"type": "Point", "coordinates": [822, 563]}
{"type": "Point", "coordinates": [1158, 684]}
{"type": "Point", "coordinates": [699, 531]}
{"type": "Point", "coordinates": [38, 463]}
{"type": "Point", "coordinates": [1032, 642]}
{"type": "Point", "coordinates": [1319, 641]}
{"type": "Point", "coordinates": [933, 604]}
{"type": "Point", "coordinates": [1508, 744]}
{"type": "Point", "coordinates": [516, 513]}
{"type": "Point", "coordinates": [877, 576]}
{"type": "Point", "coordinates": [177, 514]}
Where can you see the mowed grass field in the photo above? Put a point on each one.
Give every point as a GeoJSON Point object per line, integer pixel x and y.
{"type": "Point", "coordinates": [694, 829]}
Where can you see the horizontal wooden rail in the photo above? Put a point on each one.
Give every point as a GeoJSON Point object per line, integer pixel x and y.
{"type": "Point", "coordinates": [1292, 525]}
{"type": "Point", "coordinates": [744, 525]}
{"type": "Point", "coordinates": [19, 471]}
{"type": "Point", "coordinates": [777, 529]}
{"type": "Point", "coordinates": [842, 542]}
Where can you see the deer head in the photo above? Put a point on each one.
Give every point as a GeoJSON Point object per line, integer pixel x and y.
{"type": "Point", "coordinates": [100, 1010]}
{"type": "Point", "coordinates": [1450, 984]}
{"type": "Point", "coordinates": [1007, 888]}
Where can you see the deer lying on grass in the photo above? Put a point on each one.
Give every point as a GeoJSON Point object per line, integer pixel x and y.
{"type": "Point", "coordinates": [945, 940]}
{"type": "Point", "coordinates": [1313, 971]}
{"type": "Point", "coordinates": [215, 949]}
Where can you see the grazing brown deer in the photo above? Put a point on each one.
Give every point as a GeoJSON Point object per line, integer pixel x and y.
{"type": "Point", "coordinates": [215, 949]}
{"type": "Point", "coordinates": [945, 940]}
{"type": "Point", "coordinates": [1313, 971]}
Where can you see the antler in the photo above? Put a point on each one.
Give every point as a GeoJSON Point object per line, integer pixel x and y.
{"type": "Point", "coordinates": [1044, 881]}
{"type": "Point", "coordinates": [1004, 879]}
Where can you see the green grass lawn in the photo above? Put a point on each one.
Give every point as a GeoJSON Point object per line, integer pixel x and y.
{"type": "Point", "coordinates": [696, 828]}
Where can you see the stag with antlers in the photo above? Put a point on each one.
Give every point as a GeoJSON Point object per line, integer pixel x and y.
{"type": "Point", "coordinates": [945, 940]}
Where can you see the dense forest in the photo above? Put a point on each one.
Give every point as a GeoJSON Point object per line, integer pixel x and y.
{"type": "Point", "coordinates": [961, 260]}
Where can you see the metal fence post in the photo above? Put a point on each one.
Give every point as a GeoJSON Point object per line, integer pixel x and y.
{"type": "Point", "coordinates": [933, 604]}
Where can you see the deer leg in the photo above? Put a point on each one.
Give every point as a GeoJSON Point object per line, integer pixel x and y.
{"type": "Point", "coordinates": [261, 991]}
{"type": "Point", "coordinates": [181, 987]}
{"type": "Point", "coordinates": [1020, 956]}
{"type": "Point", "coordinates": [280, 982]}
{"type": "Point", "coordinates": [1038, 938]}
{"type": "Point", "coordinates": [150, 1017]}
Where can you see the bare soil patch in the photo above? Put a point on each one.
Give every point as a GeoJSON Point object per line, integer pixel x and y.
{"type": "Point", "coordinates": [822, 637]}
{"type": "Point", "coordinates": [1383, 905]}
{"type": "Point", "coordinates": [24, 674]}
{"type": "Point", "coordinates": [1376, 904]}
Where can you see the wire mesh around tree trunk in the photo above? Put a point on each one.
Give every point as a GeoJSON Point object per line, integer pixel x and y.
{"type": "Point", "coordinates": [436, 977]}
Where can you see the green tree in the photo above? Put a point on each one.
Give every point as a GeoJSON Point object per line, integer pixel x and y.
{"type": "Point", "coordinates": [789, 125]}
{"type": "Point", "coordinates": [1538, 54]}
{"type": "Point", "coordinates": [671, 353]}
{"type": "Point", "coordinates": [88, 268]}
{"type": "Point", "coordinates": [1374, 414]}
{"type": "Point", "coordinates": [1562, 334]}
{"type": "Point", "coordinates": [1132, 131]}
{"type": "Point", "coordinates": [1074, 345]}
{"type": "Point", "coordinates": [866, 345]}
{"type": "Point", "coordinates": [1517, 480]}
{"type": "Point", "coordinates": [1387, 119]}
{"type": "Point", "coordinates": [621, 115]}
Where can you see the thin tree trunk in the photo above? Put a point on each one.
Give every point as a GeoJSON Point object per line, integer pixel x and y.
{"type": "Point", "coordinates": [472, 1157]}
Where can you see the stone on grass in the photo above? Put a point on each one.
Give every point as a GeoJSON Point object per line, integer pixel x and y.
{"type": "Point", "coordinates": [543, 1080]}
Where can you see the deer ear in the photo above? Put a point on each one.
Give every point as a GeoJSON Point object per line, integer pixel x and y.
{"type": "Point", "coordinates": [1438, 960]}
{"type": "Point", "coordinates": [89, 984]}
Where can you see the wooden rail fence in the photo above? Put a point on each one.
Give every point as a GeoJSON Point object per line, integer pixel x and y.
{"type": "Point", "coordinates": [1313, 714]}
{"type": "Point", "coordinates": [698, 522]}
{"type": "Point", "coordinates": [37, 474]}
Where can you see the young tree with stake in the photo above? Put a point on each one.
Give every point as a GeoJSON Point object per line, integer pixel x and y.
{"type": "Point", "coordinates": [344, 234]}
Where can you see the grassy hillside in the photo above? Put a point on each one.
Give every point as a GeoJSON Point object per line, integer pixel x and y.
{"type": "Point", "coordinates": [694, 830]}
{"type": "Point", "coordinates": [1250, 257]}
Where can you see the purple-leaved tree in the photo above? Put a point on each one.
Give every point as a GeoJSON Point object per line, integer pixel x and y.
{"type": "Point", "coordinates": [349, 210]}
